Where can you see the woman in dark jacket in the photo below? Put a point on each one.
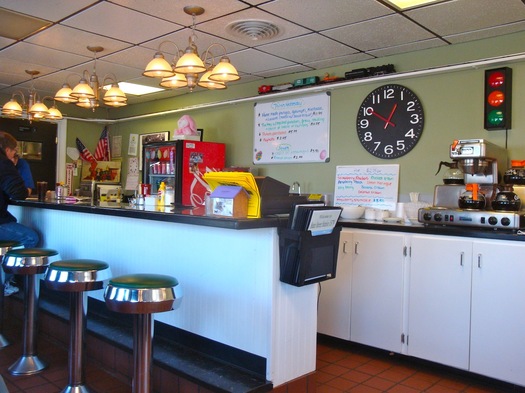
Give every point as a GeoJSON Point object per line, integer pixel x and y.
{"type": "Point", "coordinates": [12, 187]}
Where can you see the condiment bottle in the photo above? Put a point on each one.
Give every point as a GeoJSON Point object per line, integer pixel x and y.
{"type": "Point", "coordinates": [161, 194]}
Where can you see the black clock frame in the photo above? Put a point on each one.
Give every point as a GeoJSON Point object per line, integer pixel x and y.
{"type": "Point", "coordinates": [390, 121]}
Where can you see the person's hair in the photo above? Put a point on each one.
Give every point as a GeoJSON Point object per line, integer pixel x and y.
{"type": "Point", "coordinates": [7, 140]}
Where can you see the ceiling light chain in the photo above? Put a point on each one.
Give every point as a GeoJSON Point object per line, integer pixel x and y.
{"type": "Point", "coordinates": [35, 108]}
{"type": "Point", "coordinates": [86, 93]}
{"type": "Point", "coordinates": [185, 72]}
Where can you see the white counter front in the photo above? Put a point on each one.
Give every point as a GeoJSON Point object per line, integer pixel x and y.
{"type": "Point", "coordinates": [229, 279]}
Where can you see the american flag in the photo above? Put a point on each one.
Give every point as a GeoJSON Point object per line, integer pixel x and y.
{"type": "Point", "coordinates": [102, 152]}
{"type": "Point", "coordinates": [84, 152]}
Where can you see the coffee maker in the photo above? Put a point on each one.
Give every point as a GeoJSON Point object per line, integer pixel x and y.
{"type": "Point", "coordinates": [480, 161]}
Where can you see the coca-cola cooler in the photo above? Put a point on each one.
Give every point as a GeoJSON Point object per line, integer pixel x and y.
{"type": "Point", "coordinates": [180, 164]}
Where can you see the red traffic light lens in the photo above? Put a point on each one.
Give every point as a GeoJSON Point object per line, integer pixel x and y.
{"type": "Point", "coordinates": [496, 79]}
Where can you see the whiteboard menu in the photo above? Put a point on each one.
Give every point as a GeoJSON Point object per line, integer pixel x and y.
{"type": "Point", "coordinates": [292, 131]}
{"type": "Point", "coordinates": [367, 185]}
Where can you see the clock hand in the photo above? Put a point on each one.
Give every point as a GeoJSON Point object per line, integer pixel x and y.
{"type": "Point", "coordinates": [382, 118]}
{"type": "Point", "coordinates": [390, 117]}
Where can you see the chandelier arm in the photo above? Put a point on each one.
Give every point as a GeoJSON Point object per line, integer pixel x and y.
{"type": "Point", "coordinates": [179, 52]}
{"type": "Point", "coordinates": [208, 52]}
{"type": "Point", "coordinates": [20, 94]}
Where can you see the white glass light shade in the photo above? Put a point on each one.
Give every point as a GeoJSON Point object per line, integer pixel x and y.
{"type": "Point", "coordinates": [117, 104]}
{"type": "Point", "coordinates": [224, 71]}
{"type": "Point", "coordinates": [38, 110]}
{"type": "Point", "coordinates": [174, 82]}
{"type": "Point", "coordinates": [190, 63]}
{"type": "Point", "coordinates": [209, 84]}
{"type": "Point", "coordinates": [114, 94]}
{"type": "Point", "coordinates": [87, 103]}
{"type": "Point", "coordinates": [64, 94]}
{"type": "Point", "coordinates": [12, 108]}
{"type": "Point", "coordinates": [158, 67]}
{"type": "Point", "coordinates": [83, 90]}
{"type": "Point", "coordinates": [54, 114]}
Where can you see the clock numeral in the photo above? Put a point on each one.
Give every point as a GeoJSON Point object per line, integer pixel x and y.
{"type": "Point", "coordinates": [367, 137]}
{"type": "Point", "coordinates": [400, 145]}
{"type": "Point", "coordinates": [410, 133]}
{"type": "Point", "coordinates": [414, 118]}
{"type": "Point", "coordinates": [388, 94]}
{"type": "Point", "coordinates": [363, 123]}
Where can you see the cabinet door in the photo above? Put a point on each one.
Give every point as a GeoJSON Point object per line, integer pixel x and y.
{"type": "Point", "coordinates": [377, 289]}
{"type": "Point", "coordinates": [439, 299]}
{"type": "Point", "coordinates": [333, 317]}
{"type": "Point", "coordinates": [498, 311]}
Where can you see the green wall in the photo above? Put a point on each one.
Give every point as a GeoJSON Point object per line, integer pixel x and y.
{"type": "Point", "coordinates": [452, 101]}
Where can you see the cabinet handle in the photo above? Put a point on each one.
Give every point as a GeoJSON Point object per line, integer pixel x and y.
{"type": "Point", "coordinates": [344, 247]}
{"type": "Point", "coordinates": [355, 248]}
{"type": "Point", "coordinates": [461, 258]}
{"type": "Point", "coordinates": [479, 261]}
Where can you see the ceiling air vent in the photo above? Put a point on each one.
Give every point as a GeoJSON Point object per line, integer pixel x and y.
{"type": "Point", "coordinates": [255, 30]}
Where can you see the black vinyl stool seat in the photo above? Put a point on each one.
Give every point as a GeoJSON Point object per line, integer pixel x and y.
{"type": "Point", "coordinates": [5, 246]}
{"type": "Point", "coordinates": [141, 295]}
{"type": "Point", "coordinates": [77, 276]}
{"type": "Point", "coordinates": [28, 262]}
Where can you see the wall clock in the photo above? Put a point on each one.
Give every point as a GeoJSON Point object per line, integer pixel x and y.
{"type": "Point", "coordinates": [390, 121]}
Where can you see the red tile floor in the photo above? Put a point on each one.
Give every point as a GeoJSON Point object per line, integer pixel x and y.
{"type": "Point", "coordinates": [342, 367]}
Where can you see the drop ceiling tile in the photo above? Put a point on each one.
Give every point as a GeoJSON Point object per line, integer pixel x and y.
{"type": "Point", "coordinates": [5, 42]}
{"type": "Point", "coordinates": [456, 17]}
{"type": "Point", "coordinates": [52, 10]}
{"type": "Point", "coordinates": [284, 71]}
{"type": "Point", "coordinates": [218, 27]}
{"type": "Point", "coordinates": [137, 57]}
{"type": "Point", "coordinates": [255, 61]}
{"type": "Point", "coordinates": [413, 46]}
{"type": "Point", "coordinates": [320, 15]}
{"type": "Point", "coordinates": [379, 33]}
{"type": "Point", "coordinates": [120, 23]}
{"type": "Point", "coordinates": [486, 33]}
{"type": "Point", "coordinates": [72, 40]}
{"type": "Point", "coordinates": [44, 57]}
{"type": "Point", "coordinates": [301, 49]}
{"type": "Point", "coordinates": [339, 61]}
{"type": "Point", "coordinates": [173, 10]}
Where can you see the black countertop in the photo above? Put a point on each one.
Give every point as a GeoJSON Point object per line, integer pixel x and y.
{"type": "Point", "coordinates": [197, 216]}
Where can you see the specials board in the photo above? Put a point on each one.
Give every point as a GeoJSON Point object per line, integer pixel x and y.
{"type": "Point", "coordinates": [367, 185]}
{"type": "Point", "coordinates": [292, 131]}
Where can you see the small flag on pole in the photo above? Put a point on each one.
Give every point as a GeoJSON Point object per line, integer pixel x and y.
{"type": "Point", "coordinates": [102, 153]}
{"type": "Point", "coordinates": [84, 152]}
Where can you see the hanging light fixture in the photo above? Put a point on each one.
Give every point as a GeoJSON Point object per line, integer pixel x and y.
{"type": "Point", "coordinates": [35, 109]}
{"type": "Point", "coordinates": [185, 72]}
{"type": "Point", "coordinates": [86, 94]}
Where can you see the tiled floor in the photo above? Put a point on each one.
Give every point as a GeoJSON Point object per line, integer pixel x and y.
{"type": "Point", "coordinates": [347, 367]}
{"type": "Point", "coordinates": [342, 367]}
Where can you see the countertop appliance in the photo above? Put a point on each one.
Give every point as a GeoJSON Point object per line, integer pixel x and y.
{"type": "Point", "coordinates": [180, 164]}
{"type": "Point", "coordinates": [472, 218]}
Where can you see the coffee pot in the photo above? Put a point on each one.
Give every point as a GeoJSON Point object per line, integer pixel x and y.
{"type": "Point", "coordinates": [472, 198]}
{"type": "Point", "coordinates": [506, 199]}
{"type": "Point", "coordinates": [453, 175]}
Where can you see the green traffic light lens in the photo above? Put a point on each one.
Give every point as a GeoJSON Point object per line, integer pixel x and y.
{"type": "Point", "coordinates": [495, 117]}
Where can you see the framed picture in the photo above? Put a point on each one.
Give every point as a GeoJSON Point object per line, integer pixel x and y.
{"type": "Point", "coordinates": [149, 138]}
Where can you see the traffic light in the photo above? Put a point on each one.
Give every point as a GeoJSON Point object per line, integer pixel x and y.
{"type": "Point", "coordinates": [498, 98]}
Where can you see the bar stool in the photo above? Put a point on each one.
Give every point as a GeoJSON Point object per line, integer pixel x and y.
{"type": "Point", "coordinates": [28, 262]}
{"type": "Point", "coordinates": [77, 276]}
{"type": "Point", "coordinates": [5, 246]}
{"type": "Point", "coordinates": [141, 295]}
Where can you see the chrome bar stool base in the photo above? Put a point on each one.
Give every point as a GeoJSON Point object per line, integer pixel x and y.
{"type": "Point", "coordinates": [141, 295]}
{"type": "Point", "coordinates": [29, 262]}
{"type": "Point", "coordinates": [27, 365]}
{"type": "Point", "coordinates": [77, 276]}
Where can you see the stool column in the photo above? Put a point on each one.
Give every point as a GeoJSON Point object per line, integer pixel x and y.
{"type": "Point", "coordinates": [29, 362]}
{"type": "Point", "coordinates": [5, 245]}
{"type": "Point", "coordinates": [142, 350]}
{"type": "Point", "coordinates": [78, 313]}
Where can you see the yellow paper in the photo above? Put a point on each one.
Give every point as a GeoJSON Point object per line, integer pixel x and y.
{"type": "Point", "coordinates": [242, 179]}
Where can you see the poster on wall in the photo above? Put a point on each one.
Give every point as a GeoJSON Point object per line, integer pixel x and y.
{"type": "Point", "coordinates": [367, 185]}
{"type": "Point", "coordinates": [292, 131]}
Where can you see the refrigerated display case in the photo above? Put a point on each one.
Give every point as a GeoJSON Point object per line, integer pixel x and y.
{"type": "Point", "coordinates": [180, 165]}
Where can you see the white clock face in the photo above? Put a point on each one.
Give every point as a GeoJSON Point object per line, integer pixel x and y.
{"type": "Point", "coordinates": [390, 121]}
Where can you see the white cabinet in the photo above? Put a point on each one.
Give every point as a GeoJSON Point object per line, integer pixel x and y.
{"type": "Point", "coordinates": [377, 289]}
{"type": "Point", "coordinates": [497, 347]}
{"type": "Point", "coordinates": [333, 317]}
{"type": "Point", "coordinates": [439, 299]}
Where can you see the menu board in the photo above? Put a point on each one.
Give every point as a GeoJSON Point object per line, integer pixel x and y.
{"type": "Point", "coordinates": [367, 185]}
{"type": "Point", "coordinates": [292, 131]}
